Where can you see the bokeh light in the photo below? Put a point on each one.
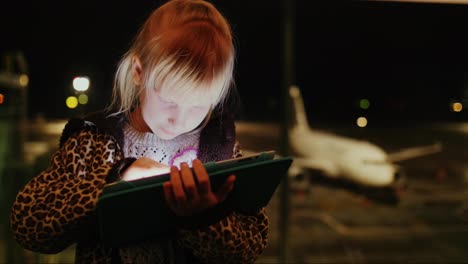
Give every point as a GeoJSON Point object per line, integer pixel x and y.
{"type": "Point", "coordinates": [364, 103]}
{"type": "Point", "coordinates": [71, 102]}
{"type": "Point", "coordinates": [83, 99]}
{"type": "Point", "coordinates": [81, 84]}
{"type": "Point", "coordinates": [457, 107]}
{"type": "Point", "coordinates": [24, 80]}
{"type": "Point", "coordinates": [361, 121]}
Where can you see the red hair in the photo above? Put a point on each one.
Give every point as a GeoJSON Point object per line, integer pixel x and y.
{"type": "Point", "coordinates": [192, 32]}
{"type": "Point", "coordinates": [184, 46]}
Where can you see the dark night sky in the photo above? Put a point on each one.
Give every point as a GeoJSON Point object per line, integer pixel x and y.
{"type": "Point", "coordinates": [394, 54]}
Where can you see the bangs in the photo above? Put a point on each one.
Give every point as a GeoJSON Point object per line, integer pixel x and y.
{"type": "Point", "coordinates": [182, 85]}
{"type": "Point", "coordinates": [194, 60]}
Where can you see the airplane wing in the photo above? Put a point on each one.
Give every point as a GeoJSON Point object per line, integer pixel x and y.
{"type": "Point", "coordinates": [414, 152]}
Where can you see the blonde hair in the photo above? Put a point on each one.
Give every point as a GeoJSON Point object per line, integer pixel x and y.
{"type": "Point", "coordinates": [184, 46]}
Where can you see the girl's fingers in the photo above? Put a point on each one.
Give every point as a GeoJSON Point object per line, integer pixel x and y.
{"type": "Point", "coordinates": [204, 185]}
{"type": "Point", "coordinates": [188, 182]}
{"type": "Point", "coordinates": [177, 186]}
{"type": "Point", "coordinates": [184, 193]}
{"type": "Point", "coordinates": [225, 189]}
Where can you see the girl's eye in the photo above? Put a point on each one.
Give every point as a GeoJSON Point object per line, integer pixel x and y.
{"type": "Point", "coordinates": [166, 102]}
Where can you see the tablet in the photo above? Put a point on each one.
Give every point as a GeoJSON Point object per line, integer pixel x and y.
{"type": "Point", "coordinates": [132, 211]}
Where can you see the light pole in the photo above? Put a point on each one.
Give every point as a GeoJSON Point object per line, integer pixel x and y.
{"type": "Point", "coordinates": [288, 31]}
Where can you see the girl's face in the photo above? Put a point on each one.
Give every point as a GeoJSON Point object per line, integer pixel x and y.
{"type": "Point", "coordinates": [171, 116]}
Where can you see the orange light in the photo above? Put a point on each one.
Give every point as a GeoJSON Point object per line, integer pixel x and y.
{"type": "Point", "coordinates": [457, 107]}
{"type": "Point", "coordinates": [2, 98]}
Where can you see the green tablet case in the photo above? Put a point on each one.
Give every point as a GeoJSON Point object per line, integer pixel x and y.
{"type": "Point", "coordinates": [133, 211]}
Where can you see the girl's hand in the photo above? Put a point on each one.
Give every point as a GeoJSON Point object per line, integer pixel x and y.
{"type": "Point", "coordinates": [187, 194]}
{"type": "Point", "coordinates": [142, 168]}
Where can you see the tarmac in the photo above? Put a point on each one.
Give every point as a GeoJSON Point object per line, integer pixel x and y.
{"type": "Point", "coordinates": [426, 221]}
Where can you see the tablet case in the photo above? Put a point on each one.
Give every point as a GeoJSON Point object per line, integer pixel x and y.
{"type": "Point", "coordinates": [136, 210]}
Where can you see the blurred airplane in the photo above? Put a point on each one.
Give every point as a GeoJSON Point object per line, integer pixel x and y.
{"type": "Point", "coordinates": [337, 157]}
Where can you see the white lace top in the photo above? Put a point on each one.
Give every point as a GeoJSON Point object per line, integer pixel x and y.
{"type": "Point", "coordinates": [183, 148]}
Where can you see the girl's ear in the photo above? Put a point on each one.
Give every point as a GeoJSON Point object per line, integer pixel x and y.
{"type": "Point", "coordinates": [136, 70]}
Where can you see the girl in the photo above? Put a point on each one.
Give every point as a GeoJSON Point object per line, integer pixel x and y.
{"type": "Point", "coordinates": [166, 114]}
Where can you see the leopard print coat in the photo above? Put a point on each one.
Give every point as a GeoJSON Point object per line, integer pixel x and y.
{"type": "Point", "coordinates": [57, 207]}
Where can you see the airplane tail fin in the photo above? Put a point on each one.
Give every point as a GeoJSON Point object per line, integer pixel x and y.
{"type": "Point", "coordinates": [414, 152]}
{"type": "Point", "coordinates": [299, 115]}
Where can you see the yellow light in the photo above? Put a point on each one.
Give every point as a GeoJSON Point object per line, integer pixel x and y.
{"type": "Point", "coordinates": [361, 121]}
{"type": "Point", "coordinates": [72, 102]}
{"type": "Point", "coordinates": [83, 99]}
{"type": "Point", "coordinates": [457, 107]}
{"type": "Point", "coordinates": [2, 98]}
{"type": "Point", "coordinates": [24, 80]}
{"type": "Point", "coordinates": [81, 84]}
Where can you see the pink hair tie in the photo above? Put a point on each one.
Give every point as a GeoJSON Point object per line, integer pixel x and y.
{"type": "Point", "coordinates": [186, 155]}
